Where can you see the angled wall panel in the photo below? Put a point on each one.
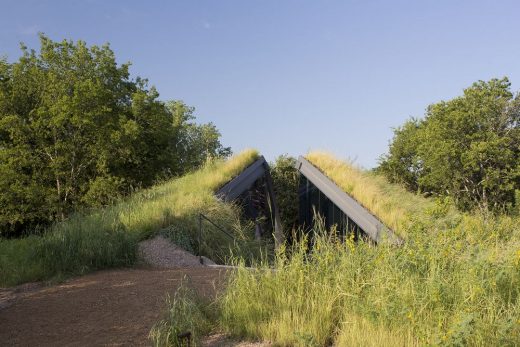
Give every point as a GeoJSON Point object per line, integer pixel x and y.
{"type": "Point", "coordinates": [370, 225]}
{"type": "Point", "coordinates": [243, 181]}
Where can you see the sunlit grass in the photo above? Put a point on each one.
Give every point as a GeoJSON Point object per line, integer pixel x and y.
{"type": "Point", "coordinates": [396, 207]}
{"type": "Point", "coordinates": [108, 237]}
{"type": "Point", "coordinates": [458, 286]}
{"type": "Point", "coordinates": [455, 281]}
{"type": "Point", "coordinates": [356, 331]}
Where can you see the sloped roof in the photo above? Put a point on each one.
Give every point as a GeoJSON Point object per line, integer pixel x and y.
{"type": "Point", "coordinates": [372, 226]}
{"type": "Point", "coordinates": [243, 181]}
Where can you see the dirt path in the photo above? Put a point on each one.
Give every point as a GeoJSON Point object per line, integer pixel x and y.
{"type": "Point", "coordinates": [106, 308]}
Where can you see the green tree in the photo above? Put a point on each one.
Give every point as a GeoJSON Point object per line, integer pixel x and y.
{"type": "Point", "coordinates": [76, 130]}
{"type": "Point", "coordinates": [466, 148]}
{"type": "Point", "coordinates": [192, 143]}
{"type": "Point", "coordinates": [66, 114]}
{"type": "Point", "coordinates": [402, 164]}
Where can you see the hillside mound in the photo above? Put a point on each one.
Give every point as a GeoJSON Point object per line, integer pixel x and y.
{"type": "Point", "coordinates": [391, 203]}
{"type": "Point", "coordinates": [106, 237]}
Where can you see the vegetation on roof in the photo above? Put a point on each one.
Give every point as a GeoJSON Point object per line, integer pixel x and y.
{"type": "Point", "coordinates": [454, 282]}
{"type": "Point", "coordinates": [392, 204]}
{"type": "Point", "coordinates": [107, 237]}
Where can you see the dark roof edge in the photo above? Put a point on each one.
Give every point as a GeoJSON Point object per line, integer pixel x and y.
{"type": "Point", "coordinates": [370, 224]}
{"type": "Point", "coordinates": [232, 189]}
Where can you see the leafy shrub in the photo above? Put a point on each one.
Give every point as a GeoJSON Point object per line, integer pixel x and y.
{"type": "Point", "coordinates": [285, 182]}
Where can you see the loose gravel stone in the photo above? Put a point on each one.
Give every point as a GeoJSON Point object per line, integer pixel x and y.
{"type": "Point", "coordinates": [160, 252]}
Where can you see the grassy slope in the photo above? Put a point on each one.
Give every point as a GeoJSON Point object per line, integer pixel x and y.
{"type": "Point", "coordinates": [108, 237]}
{"type": "Point", "coordinates": [455, 281]}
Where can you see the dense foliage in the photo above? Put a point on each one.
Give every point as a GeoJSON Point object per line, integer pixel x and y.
{"type": "Point", "coordinates": [76, 130]}
{"type": "Point", "coordinates": [285, 182]}
{"type": "Point", "coordinates": [467, 148]}
{"type": "Point", "coordinates": [444, 287]}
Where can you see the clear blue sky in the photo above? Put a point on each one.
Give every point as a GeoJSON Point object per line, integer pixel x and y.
{"type": "Point", "coordinates": [290, 76]}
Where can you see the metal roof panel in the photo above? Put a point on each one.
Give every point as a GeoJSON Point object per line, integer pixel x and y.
{"type": "Point", "coordinates": [243, 181]}
{"type": "Point", "coordinates": [353, 209]}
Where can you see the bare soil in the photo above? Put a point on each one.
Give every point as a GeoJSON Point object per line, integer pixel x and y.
{"type": "Point", "coordinates": [109, 308]}
{"type": "Point", "coordinates": [106, 308]}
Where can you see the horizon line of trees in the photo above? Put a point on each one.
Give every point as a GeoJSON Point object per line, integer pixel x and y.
{"type": "Point", "coordinates": [77, 131]}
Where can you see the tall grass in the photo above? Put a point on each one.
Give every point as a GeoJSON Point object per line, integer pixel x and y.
{"type": "Point", "coordinates": [452, 287]}
{"type": "Point", "coordinates": [186, 313]}
{"type": "Point", "coordinates": [454, 282]}
{"type": "Point", "coordinates": [108, 237]}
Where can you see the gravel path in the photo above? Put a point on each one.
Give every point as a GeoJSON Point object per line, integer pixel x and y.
{"type": "Point", "coordinates": [160, 252]}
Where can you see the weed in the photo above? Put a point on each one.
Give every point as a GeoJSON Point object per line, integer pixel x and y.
{"type": "Point", "coordinates": [187, 314]}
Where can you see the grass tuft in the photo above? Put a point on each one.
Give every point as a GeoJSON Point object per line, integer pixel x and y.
{"type": "Point", "coordinates": [186, 313]}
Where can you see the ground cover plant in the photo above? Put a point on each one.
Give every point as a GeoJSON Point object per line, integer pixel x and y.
{"type": "Point", "coordinates": [455, 281]}
{"type": "Point", "coordinates": [107, 237]}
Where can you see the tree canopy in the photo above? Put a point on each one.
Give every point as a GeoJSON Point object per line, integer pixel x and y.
{"type": "Point", "coordinates": [466, 148]}
{"type": "Point", "coordinates": [76, 130]}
